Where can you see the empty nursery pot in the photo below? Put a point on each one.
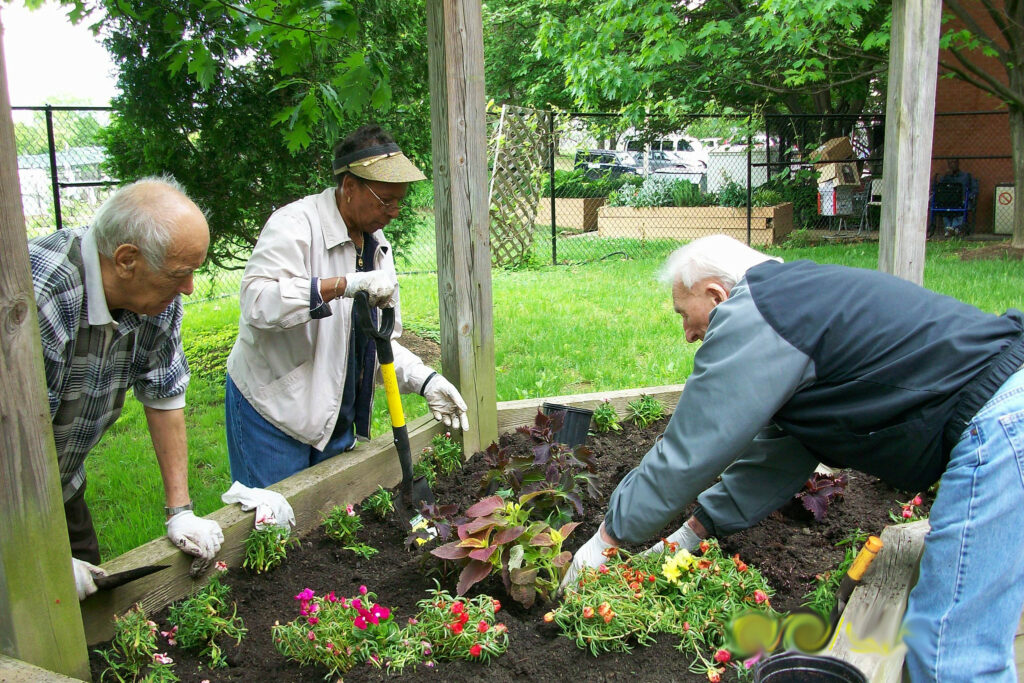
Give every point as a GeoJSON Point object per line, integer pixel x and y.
{"type": "Point", "coordinates": [794, 667]}
{"type": "Point", "coordinates": [574, 429]}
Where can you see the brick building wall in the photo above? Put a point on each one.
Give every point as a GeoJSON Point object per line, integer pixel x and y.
{"type": "Point", "coordinates": [977, 135]}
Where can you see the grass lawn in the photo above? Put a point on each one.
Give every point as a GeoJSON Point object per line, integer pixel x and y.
{"type": "Point", "coordinates": [558, 330]}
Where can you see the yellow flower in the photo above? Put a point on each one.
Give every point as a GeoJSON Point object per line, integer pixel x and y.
{"type": "Point", "coordinates": [671, 571]}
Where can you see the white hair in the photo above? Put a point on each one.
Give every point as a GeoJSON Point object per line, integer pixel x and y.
{"type": "Point", "coordinates": [716, 256]}
{"type": "Point", "coordinates": [131, 216]}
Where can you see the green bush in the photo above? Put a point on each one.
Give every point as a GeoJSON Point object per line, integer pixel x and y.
{"type": "Point", "coordinates": [661, 192]}
{"type": "Point", "coordinates": [575, 183]}
{"type": "Point", "coordinates": [207, 351]}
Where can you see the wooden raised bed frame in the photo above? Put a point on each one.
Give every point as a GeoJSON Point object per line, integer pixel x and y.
{"type": "Point", "coordinates": [768, 225]}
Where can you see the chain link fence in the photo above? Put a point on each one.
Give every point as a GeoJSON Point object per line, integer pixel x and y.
{"type": "Point", "coordinates": [577, 188]}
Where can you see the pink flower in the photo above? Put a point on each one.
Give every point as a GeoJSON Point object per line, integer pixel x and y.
{"type": "Point", "coordinates": [343, 602]}
{"type": "Point", "coordinates": [362, 590]}
{"type": "Point", "coordinates": [426, 648]}
{"type": "Point", "coordinates": [686, 626]}
{"type": "Point", "coordinates": [329, 646]}
{"type": "Point", "coordinates": [314, 608]}
{"type": "Point", "coordinates": [305, 595]}
{"type": "Point", "coordinates": [500, 628]}
{"type": "Point", "coordinates": [447, 435]}
{"type": "Point", "coordinates": [314, 620]}
{"type": "Point", "coordinates": [752, 661]}
{"type": "Point", "coordinates": [413, 621]}
{"type": "Point", "coordinates": [311, 635]}
{"type": "Point", "coordinates": [475, 650]}
{"type": "Point", "coordinates": [161, 658]}
{"type": "Point", "coordinates": [429, 665]}
{"type": "Point", "coordinates": [349, 510]}
{"type": "Point", "coordinates": [482, 626]}
{"type": "Point", "coordinates": [722, 656]}
{"type": "Point", "coordinates": [917, 500]}
{"type": "Point", "coordinates": [381, 612]}
{"type": "Point", "coordinates": [759, 596]}
{"type": "Point", "coordinates": [603, 569]}
{"type": "Point", "coordinates": [357, 604]}
{"type": "Point", "coordinates": [221, 566]}
{"type": "Point", "coordinates": [360, 622]}
{"type": "Point", "coordinates": [907, 513]}
{"type": "Point", "coordinates": [331, 597]}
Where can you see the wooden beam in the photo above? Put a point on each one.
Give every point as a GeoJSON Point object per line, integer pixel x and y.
{"type": "Point", "coordinates": [867, 634]}
{"type": "Point", "coordinates": [347, 478]}
{"type": "Point", "coordinates": [40, 619]}
{"type": "Point", "coordinates": [909, 121]}
{"type": "Point", "coordinates": [17, 671]}
{"type": "Point", "coordinates": [459, 134]}
{"type": "Point", "coordinates": [512, 414]}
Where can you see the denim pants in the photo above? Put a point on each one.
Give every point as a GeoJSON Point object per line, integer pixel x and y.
{"type": "Point", "coordinates": [963, 613]}
{"type": "Point", "coordinates": [260, 454]}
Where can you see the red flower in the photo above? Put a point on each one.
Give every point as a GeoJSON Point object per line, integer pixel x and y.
{"type": "Point", "coordinates": [588, 612]}
{"type": "Point", "coordinates": [475, 650]}
{"type": "Point", "coordinates": [907, 513]}
{"type": "Point", "coordinates": [760, 596]}
{"type": "Point", "coordinates": [457, 607]}
{"type": "Point", "coordinates": [722, 656]}
{"type": "Point", "coordinates": [482, 626]}
{"type": "Point", "coordinates": [917, 500]}
{"type": "Point", "coordinates": [497, 605]}
{"type": "Point", "coordinates": [457, 628]}
{"type": "Point", "coordinates": [604, 608]}
{"type": "Point", "coordinates": [464, 617]}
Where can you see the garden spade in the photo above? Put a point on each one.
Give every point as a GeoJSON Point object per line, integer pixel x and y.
{"type": "Point", "coordinates": [415, 490]}
{"type": "Point", "coordinates": [120, 578]}
{"type": "Point", "coordinates": [852, 578]}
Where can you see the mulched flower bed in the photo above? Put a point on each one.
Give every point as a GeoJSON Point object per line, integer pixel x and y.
{"type": "Point", "coordinates": [789, 548]}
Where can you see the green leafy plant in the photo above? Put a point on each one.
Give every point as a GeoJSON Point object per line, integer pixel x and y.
{"type": "Point", "coordinates": [267, 547]}
{"type": "Point", "coordinates": [732, 194]}
{"type": "Point", "coordinates": [606, 419]}
{"type": "Point", "coordinates": [631, 598]}
{"type": "Point", "coordinates": [911, 511]}
{"type": "Point", "coordinates": [497, 537]}
{"type": "Point", "coordinates": [203, 618]}
{"type": "Point", "coordinates": [765, 196]}
{"type": "Point", "coordinates": [132, 655]}
{"type": "Point", "coordinates": [822, 599]}
{"type": "Point", "coordinates": [551, 480]}
{"type": "Point", "coordinates": [380, 502]}
{"type": "Point", "coordinates": [820, 490]}
{"type": "Point", "coordinates": [442, 456]}
{"type": "Point", "coordinates": [342, 524]}
{"type": "Point", "coordinates": [645, 411]}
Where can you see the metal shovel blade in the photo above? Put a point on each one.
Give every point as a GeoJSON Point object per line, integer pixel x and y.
{"type": "Point", "coordinates": [120, 578]}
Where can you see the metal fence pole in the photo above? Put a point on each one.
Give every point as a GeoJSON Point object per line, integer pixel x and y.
{"type": "Point", "coordinates": [551, 183]}
{"type": "Point", "coordinates": [53, 166]}
{"type": "Point", "coordinates": [750, 161]}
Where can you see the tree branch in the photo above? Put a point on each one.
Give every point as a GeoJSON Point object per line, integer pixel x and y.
{"type": "Point", "coordinates": [973, 26]}
{"type": "Point", "coordinates": [980, 79]}
{"type": "Point", "coordinates": [268, 22]}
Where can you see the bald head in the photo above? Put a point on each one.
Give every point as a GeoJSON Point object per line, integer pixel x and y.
{"type": "Point", "coordinates": [153, 214]}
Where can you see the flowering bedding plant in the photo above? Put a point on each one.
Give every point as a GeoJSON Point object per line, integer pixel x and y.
{"type": "Point", "coordinates": [132, 655]}
{"type": "Point", "coordinates": [339, 633]}
{"type": "Point", "coordinates": [630, 598]}
{"type": "Point", "coordinates": [201, 619]}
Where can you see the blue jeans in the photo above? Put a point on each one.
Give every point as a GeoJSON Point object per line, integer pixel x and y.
{"type": "Point", "coordinates": [260, 454]}
{"type": "Point", "coordinates": [963, 613]}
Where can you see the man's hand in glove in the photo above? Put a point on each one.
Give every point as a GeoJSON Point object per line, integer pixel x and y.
{"type": "Point", "coordinates": [379, 285]}
{"type": "Point", "coordinates": [85, 577]}
{"type": "Point", "coordinates": [195, 535]}
{"type": "Point", "coordinates": [684, 537]}
{"type": "Point", "coordinates": [445, 402]}
{"type": "Point", "coordinates": [591, 554]}
{"type": "Point", "coordinates": [271, 507]}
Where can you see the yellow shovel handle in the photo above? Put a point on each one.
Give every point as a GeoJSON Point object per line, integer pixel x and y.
{"type": "Point", "coordinates": [387, 370]}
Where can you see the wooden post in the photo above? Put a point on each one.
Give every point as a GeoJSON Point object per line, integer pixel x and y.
{"type": "Point", "coordinates": [458, 128]}
{"type": "Point", "coordinates": [40, 620]}
{"type": "Point", "coordinates": [909, 120]}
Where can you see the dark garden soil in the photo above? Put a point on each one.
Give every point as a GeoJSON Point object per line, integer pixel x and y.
{"type": "Point", "coordinates": [789, 548]}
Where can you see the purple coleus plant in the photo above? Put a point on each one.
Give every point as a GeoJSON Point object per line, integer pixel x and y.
{"type": "Point", "coordinates": [820, 490]}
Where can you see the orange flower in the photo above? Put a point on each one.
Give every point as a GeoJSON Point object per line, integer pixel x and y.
{"type": "Point", "coordinates": [610, 552]}
{"type": "Point", "coordinates": [549, 617]}
{"type": "Point", "coordinates": [604, 608]}
{"type": "Point", "coordinates": [588, 612]}
{"type": "Point", "coordinates": [608, 616]}
{"type": "Point", "coordinates": [715, 675]}
{"type": "Point", "coordinates": [497, 605]}
{"type": "Point", "coordinates": [634, 586]}
{"type": "Point", "coordinates": [704, 546]}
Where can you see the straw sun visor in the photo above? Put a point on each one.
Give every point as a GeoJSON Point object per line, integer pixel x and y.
{"type": "Point", "coordinates": [383, 163]}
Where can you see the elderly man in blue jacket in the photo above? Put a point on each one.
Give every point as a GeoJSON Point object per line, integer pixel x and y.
{"type": "Point", "coordinates": [804, 364]}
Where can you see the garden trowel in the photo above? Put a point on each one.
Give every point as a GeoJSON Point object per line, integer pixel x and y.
{"type": "Point", "coordinates": [120, 578]}
{"type": "Point", "coordinates": [415, 490]}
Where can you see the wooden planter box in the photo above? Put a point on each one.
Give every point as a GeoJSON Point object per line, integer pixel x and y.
{"type": "Point", "coordinates": [768, 225]}
{"type": "Point", "coordinates": [575, 213]}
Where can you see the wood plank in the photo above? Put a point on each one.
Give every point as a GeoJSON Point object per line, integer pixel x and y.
{"type": "Point", "coordinates": [459, 142]}
{"type": "Point", "coordinates": [909, 123]}
{"type": "Point", "coordinates": [512, 414]}
{"type": "Point", "coordinates": [869, 626]}
{"type": "Point", "coordinates": [347, 478]}
{"type": "Point", "coordinates": [40, 620]}
{"type": "Point", "coordinates": [16, 671]}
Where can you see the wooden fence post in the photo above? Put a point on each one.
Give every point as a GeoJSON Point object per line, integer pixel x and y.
{"type": "Point", "coordinates": [459, 132]}
{"type": "Point", "coordinates": [909, 123]}
{"type": "Point", "coordinates": [40, 620]}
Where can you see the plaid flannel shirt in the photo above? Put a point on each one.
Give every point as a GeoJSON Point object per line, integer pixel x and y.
{"type": "Point", "coordinates": [92, 357]}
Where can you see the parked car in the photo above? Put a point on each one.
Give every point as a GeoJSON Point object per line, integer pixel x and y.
{"type": "Point", "coordinates": [694, 174]}
{"type": "Point", "coordinates": [597, 163]}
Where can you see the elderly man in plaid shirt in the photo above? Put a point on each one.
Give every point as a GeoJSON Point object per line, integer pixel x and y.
{"type": "Point", "coordinates": [110, 319]}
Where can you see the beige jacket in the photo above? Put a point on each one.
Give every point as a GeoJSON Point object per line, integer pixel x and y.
{"type": "Point", "coordinates": [290, 367]}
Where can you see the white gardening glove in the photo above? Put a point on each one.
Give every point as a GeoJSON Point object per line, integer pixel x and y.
{"type": "Point", "coordinates": [195, 535]}
{"type": "Point", "coordinates": [684, 537]}
{"type": "Point", "coordinates": [446, 403]}
{"type": "Point", "coordinates": [591, 554]}
{"type": "Point", "coordinates": [85, 575]}
{"type": "Point", "coordinates": [379, 285]}
{"type": "Point", "coordinates": [271, 507]}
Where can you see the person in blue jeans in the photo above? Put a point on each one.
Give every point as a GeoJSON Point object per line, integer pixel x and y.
{"type": "Point", "coordinates": [300, 378]}
{"type": "Point", "coordinates": [804, 364]}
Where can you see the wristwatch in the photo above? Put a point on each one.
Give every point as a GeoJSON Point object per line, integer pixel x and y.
{"type": "Point", "coordinates": [170, 512]}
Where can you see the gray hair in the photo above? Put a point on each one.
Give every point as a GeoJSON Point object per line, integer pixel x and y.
{"type": "Point", "coordinates": [130, 216]}
{"type": "Point", "coordinates": [717, 256]}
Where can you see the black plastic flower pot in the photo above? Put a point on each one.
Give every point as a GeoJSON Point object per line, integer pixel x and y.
{"type": "Point", "coordinates": [794, 667]}
{"type": "Point", "coordinates": [574, 429]}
